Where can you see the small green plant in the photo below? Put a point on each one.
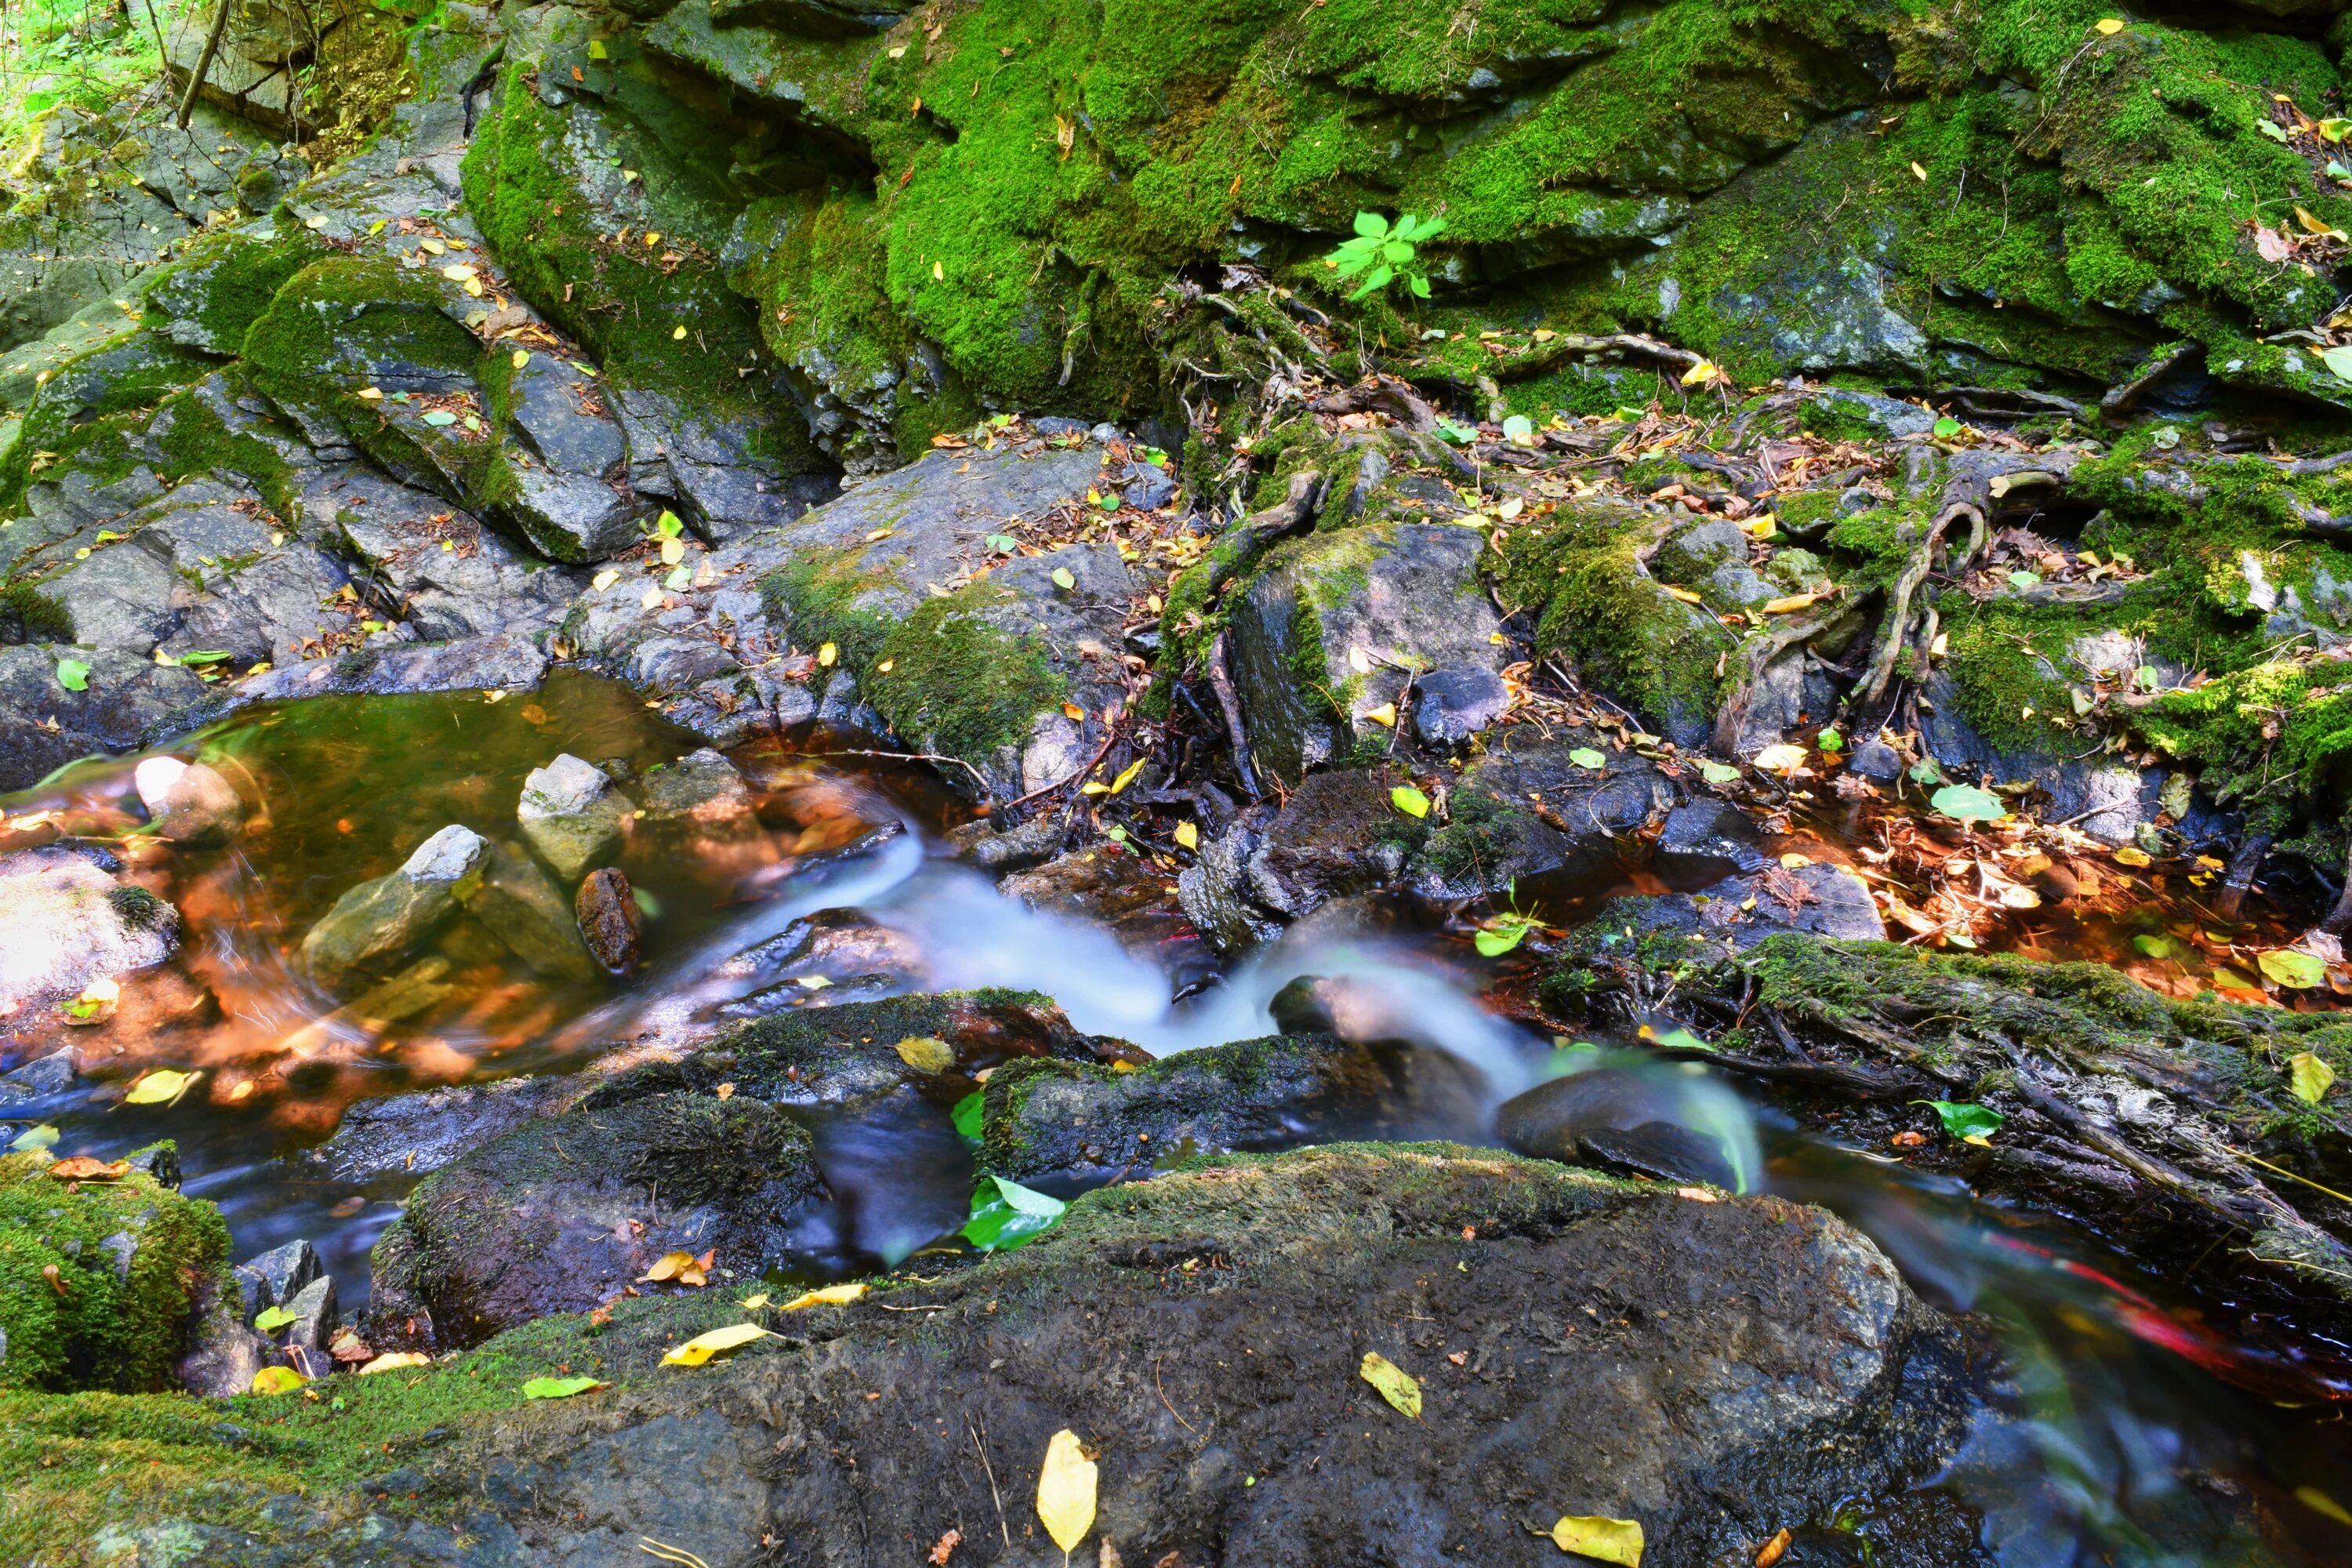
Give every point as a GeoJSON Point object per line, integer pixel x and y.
{"type": "Point", "coordinates": [1382, 253]}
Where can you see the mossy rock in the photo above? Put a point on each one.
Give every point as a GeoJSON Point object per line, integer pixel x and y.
{"type": "Point", "coordinates": [88, 416]}
{"type": "Point", "coordinates": [99, 1280]}
{"type": "Point", "coordinates": [210, 296]}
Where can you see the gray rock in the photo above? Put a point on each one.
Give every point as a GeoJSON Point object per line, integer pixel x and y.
{"type": "Point", "coordinates": [1452, 705]}
{"type": "Point", "coordinates": [1337, 834]}
{"type": "Point", "coordinates": [1821, 899]}
{"type": "Point", "coordinates": [477, 586]}
{"type": "Point", "coordinates": [40, 1078]}
{"type": "Point", "coordinates": [413, 1134]}
{"type": "Point", "coordinates": [1378, 599]}
{"type": "Point", "coordinates": [572, 814]}
{"type": "Point", "coordinates": [64, 922]}
{"type": "Point", "coordinates": [1875, 760]}
{"type": "Point", "coordinates": [1027, 844]}
{"type": "Point", "coordinates": [1147, 486]}
{"type": "Point", "coordinates": [123, 697]}
{"type": "Point", "coordinates": [499, 663]}
{"type": "Point", "coordinates": [383, 918]}
{"type": "Point", "coordinates": [702, 790]}
{"type": "Point", "coordinates": [225, 1350]}
{"type": "Point", "coordinates": [189, 803]}
{"type": "Point", "coordinates": [276, 1277]}
{"type": "Point", "coordinates": [315, 1315]}
{"type": "Point", "coordinates": [1707, 841]}
{"type": "Point", "coordinates": [531, 914]}
{"type": "Point", "coordinates": [1527, 808]}
{"type": "Point", "coordinates": [1215, 894]}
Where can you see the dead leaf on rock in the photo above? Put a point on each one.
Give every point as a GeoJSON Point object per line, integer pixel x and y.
{"type": "Point", "coordinates": [1395, 1384]}
{"type": "Point", "coordinates": [87, 1168]}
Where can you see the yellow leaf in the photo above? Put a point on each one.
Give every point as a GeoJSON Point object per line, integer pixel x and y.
{"type": "Point", "coordinates": [1127, 776]}
{"type": "Point", "coordinates": [2310, 1077]}
{"type": "Point", "coordinates": [827, 655]}
{"type": "Point", "coordinates": [2128, 856]}
{"type": "Point", "coordinates": [1188, 836]}
{"type": "Point", "coordinates": [520, 358]}
{"type": "Point", "coordinates": [161, 1087]}
{"type": "Point", "coordinates": [1700, 373]}
{"type": "Point", "coordinates": [395, 1361]}
{"type": "Point", "coordinates": [1617, 1540]}
{"type": "Point", "coordinates": [1385, 715]}
{"type": "Point", "coordinates": [1791, 604]}
{"type": "Point", "coordinates": [673, 551]}
{"type": "Point", "coordinates": [371, 394]}
{"type": "Point", "coordinates": [938, 273]}
{"type": "Point", "coordinates": [677, 333]}
{"type": "Point", "coordinates": [1065, 1491]}
{"type": "Point", "coordinates": [1396, 1386]}
{"type": "Point", "coordinates": [1094, 786]}
{"type": "Point", "coordinates": [276, 1380]}
{"type": "Point", "coordinates": [604, 579]}
{"type": "Point", "coordinates": [718, 1341]}
{"type": "Point", "coordinates": [754, 1303]}
{"type": "Point", "coordinates": [667, 1268]}
{"type": "Point", "coordinates": [1792, 860]}
{"type": "Point", "coordinates": [2110, 26]}
{"type": "Point", "coordinates": [926, 1054]}
{"type": "Point", "coordinates": [830, 1296]}
{"type": "Point", "coordinates": [1684, 594]}
{"type": "Point", "coordinates": [1918, 172]}
{"type": "Point", "coordinates": [458, 272]}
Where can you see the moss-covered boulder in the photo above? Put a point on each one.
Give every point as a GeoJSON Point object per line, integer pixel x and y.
{"type": "Point", "coordinates": [2171, 1123]}
{"type": "Point", "coordinates": [1532, 808]}
{"type": "Point", "coordinates": [1337, 626]}
{"type": "Point", "coordinates": [99, 1280]}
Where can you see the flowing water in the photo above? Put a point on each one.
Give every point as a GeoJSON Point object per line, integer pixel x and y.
{"type": "Point", "coordinates": [2123, 1429]}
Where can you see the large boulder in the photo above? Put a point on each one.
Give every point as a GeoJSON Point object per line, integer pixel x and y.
{"type": "Point", "coordinates": [1714, 1368]}
{"type": "Point", "coordinates": [45, 724]}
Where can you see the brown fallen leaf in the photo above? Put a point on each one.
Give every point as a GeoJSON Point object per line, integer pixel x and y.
{"type": "Point", "coordinates": [1773, 1550]}
{"type": "Point", "coordinates": [667, 1268]}
{"type": "Point", "coordinates": [56, 1281]}
{"type": "Point", "coordinates": [946, 1547]}
{"type": "Point", "coordinates": [88, 1168]}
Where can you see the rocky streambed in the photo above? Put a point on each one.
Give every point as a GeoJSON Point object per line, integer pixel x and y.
{"type": "Point", "coordinates": [757, 759]}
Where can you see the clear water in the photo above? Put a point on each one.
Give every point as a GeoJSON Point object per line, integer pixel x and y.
{"type": "Point", "coordinates": [2126, 1431]}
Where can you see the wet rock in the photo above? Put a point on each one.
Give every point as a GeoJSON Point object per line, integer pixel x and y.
{"type": "Point", "coordinates": [1337, 834]}
{"type": "Point", "coordinates": [2107, 798]}
{"type": "Point", "coordinates": [1875, 760]}
{"type": "Point", "coordinates": [64, 922]}
{"type": "Point", "coordinates": [1820, 900]}
{"type": "Point", "coordinates": [701, 792]}
{"type": "Point", "coordinates": [606, 912]}
{"type": "Point", "coordinates": [1016, 848]}
{"type": "Point", "coordinates": [1623, 1118]}
{"type": "Point", "coordinates": [563, 1213]}
{"type": "Point", "coordinates": [1707, 841]}
{"type": "Point", "coordinates": [1377, 601]}
{"type": "Point", "coordinates": [572, 814]}
{"type": "Point", "coordinates": [1452, 705]}
{"type": "Point", "coordinates": [834, 957]}
{"type": "Point", "coordinates": [1529, 808]}
{"type": "Point", "coordinates": [1739, 1335]}
{"type": "Point", "coordinates": [104, 1280]}
{"type": "Point", "coordinates": [316, 1316]}
{"type": "Point", "coordinates": [43, 1076]}
{"type": "Point", "coordinates": [276, 1277]}
{"type": "Point", "coordinates": [402, 1135]}
{"type": "Point", "coordinates": [830, 1055]}
{"type": "Point", "coordinates": [122, 697]}
{"type": "Point", "coordinates": [480, 585]}
{"type": "Point", "coordinates": [515, 900]}
{"type": "Point", "coordinates": [1215, 894]}
{"type": "Point", "coordinates": [496, 663]}
{"type": "Point", "coordinates": [1057, 1118]}
{"type": "Point", "coordinates": [189, 803]}
{"type": "Point", "coordinates": [224, 1351]}
{"type": "Point", "coordinates": [384, 918]}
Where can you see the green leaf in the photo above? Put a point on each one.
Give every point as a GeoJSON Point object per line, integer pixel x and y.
{"type": "Point", "coordinates": [2296, 971]}
{"type": "Point", "coordinates": [1003, 543]}
{"type": "Point", "coordinates": [1965, 803]}
{"type": "Point", "coordinates": [668, 525]}
{"type": "Point", "coordinates": [1419, 283]}
{"type": "Point", "coordinates": [1520, 430]}
{"type": "Point", "coordinates": [73, 675]}
{"type": "Point", "coordinates": [558, 1388]}
{"type": "Point", "coordinates": [204, 656]}
{"type": "Point", "coordinates": [1409, 800]}
{"type": "Point", "coordinates": [1063, 579]}
{"type": "Point", "coordinates": [1371, 225]}
{"type": "Point", "coordinates": [1505, 933]}
{"type": "Point", "coordinates": [439, 418]}
{"type": "Point", "coordinates": [1006, 1215]}
{"type": "Point", "coordinates": [273, 1319]}
{"type": "Point", "coordinates": [1963, 1120]}
{"type": "Point", "coordinates": [2338, 361]}
{"type": "Point", "coordinates": [2271, 129]}
{"type": "Point", "coordinates": [2309, 1076]}
{"type": "Point", "coordinates": [1460, 435]}
{"type": "Point", "coordinates": [2025, 579]}
{"type": "Point", "coordinates": [1586, 757]}
{"type": "Point", "coordinates": [680, 577]}
{"type": "Point", "coordinates": [1946, 428]}
{"type": "Point", "coordinates": [2155, 946]}
{"type": "Point", "coordinates": [1719, 773]}
{"type": "Point", "coordinates": [43, 1136]}
{"type": "Point", "coordinates": [1829, 740]}
{"type": "Point", "coordinates": [966, 1117]}
{"type": "Point", "coordinates": [1926, 772]}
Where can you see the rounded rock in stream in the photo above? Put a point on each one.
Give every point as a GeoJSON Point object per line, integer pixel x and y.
{"type": "Point", "coordinates": [1715, 1369]}
{"type": "Point", "coordinates": [382, 918]}
{"type": "Point", "coordinates": [65, 922]}
{"type": "Point", "coordinates": [572, 814]}
{"type": "Point", "coordinates": [606, 910]}
{"type": "Point", "coordinates": [189, 803]}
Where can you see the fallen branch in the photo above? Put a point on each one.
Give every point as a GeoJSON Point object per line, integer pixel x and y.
{"type": "Point", "coordinates": [205, 60]}
{"type": "Point", "coordinates": [1221, 680]}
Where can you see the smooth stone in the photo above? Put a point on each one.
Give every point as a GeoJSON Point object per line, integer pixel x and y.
{"type": "Point", "coordinates": [383, 918]}
{"type": "Point", "coordinates": [189, 803]}
{"type": "Point", "coordinates": [1456, 704]}
{"type": "Point", "coordinates": [528, 912]}
{"type": "Point", "coordinates": [572, 814]}
{"type": "Point", "coordinates": [1707, 841]}
{"type": "Point", "coordinates": [702, 790]}
{"type": "Point", "coordinates": [606, 911]}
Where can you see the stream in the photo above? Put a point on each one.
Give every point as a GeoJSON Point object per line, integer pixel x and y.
{"type": "Point", "coordinates": [2123, 1429]}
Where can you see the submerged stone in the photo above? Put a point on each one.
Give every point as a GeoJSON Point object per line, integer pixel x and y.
{"type": "Point", "coordinates": [515, 902]}
{"type": "Point", "coordinates": [189, 803]}
{"type": "Point", "coordinates": [383, 918]}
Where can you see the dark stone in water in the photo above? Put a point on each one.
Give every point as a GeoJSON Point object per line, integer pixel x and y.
{"type": "Point", "coordinates": [1707, 841]}
{"type": "Point", "coordinates": [415, 1135]}
{"type": "Point", "coordinates": [1057, 1118]}
{"type": "Point", "coordinates": [607, 913]}
{"type": "Point", "coordinates": [1658, 1149]}
{"type": "Point", "coordinates": [1618, 1117]}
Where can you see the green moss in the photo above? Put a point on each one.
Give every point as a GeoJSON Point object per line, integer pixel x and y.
{"type": "Point", "coordinates": [2269, 738]}
{"type": "Point", "coordinates": [34, 615]}
{"type": "Point", "coordinates": [210, 296]}
{"type": "Point", "coordinates": [87, 412]}
{"type": "Point", "coordinates": [1601, 608]}
{"type": "Point", "coordinates": [193, 440]}
{"type": "Point", "coordinates": [96, 1284]}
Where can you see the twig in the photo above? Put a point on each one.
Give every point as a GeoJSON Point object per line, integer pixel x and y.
{"type": "Point", "coordinates": [205, 60]}
{"type": "Point", "coordinates": [1163, 1399]}
{"type": "Point", "coordinates": [990, 1471]}
{"type": "Point", "coordinates": [645, 1543]}
{"type": "Point", "coordinates": [1065, 784]}
{"type": "Point", "coordinates": [1221, 681]}
{"type": "Point", "coordinates": [977, 777]}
